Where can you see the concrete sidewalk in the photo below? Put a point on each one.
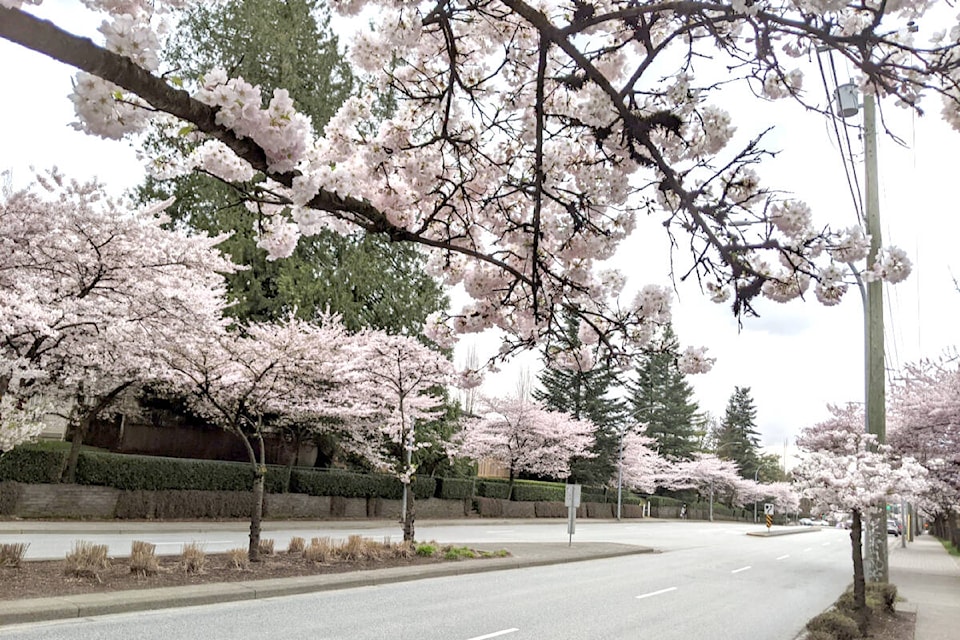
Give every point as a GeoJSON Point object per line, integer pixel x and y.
{"type": "Point", "coordinates": [81, 606]}
{"type": "Point", "coordinates": [928, 578]}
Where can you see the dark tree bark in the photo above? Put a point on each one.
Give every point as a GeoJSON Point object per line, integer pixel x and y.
{"type": "Point", "coordinates": [859, 582]}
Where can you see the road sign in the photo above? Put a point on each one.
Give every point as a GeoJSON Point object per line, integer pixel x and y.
{"type": "Point", "coordinates": [767, 509]}
{"type": "Point", "coordinates": [572, 496]}
{"type": "Point", "coordinates": [769, 520]}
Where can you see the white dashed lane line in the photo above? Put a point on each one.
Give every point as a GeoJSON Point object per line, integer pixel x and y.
{"type": "Point", "coordinates": [495, 634]}
{"type": "Point", "coordinates": [741, 569]}
{"type": "Point", "coordinates": [784, 557]}
{"type": "Point", "coordinates": [656, 593]}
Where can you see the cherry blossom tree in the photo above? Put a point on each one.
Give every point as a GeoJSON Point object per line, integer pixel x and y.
{"type": "Point", "coordinates": [526, 139]}
{"type": "Point", "coordinates": [708, 475]}
{"type": "Point", "coordinates": [844, 469]}
{"type": "Point", "coordinates": [89, 289]}
{"type": "Point", "coordinates": [244, 378]}
{"type": "Point", "coordinates": [524, 437]}
{"type": "Point", "coordinates": [402, 381]}
{"type": "Point", "coordinates": [925, 424]}
{"type": "Point", "coordinates": [641, 466]}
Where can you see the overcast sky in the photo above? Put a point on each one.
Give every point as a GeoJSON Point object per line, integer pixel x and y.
{"type": "Point", "coordinates": [796, 358]}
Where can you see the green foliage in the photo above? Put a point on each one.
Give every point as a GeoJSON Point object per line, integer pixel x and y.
{"type": "Point", "coordinates": [179, 505]}
{"type": "Point", "coordinates": [10, 493]}
{"type": "Point", "coordinates": [836, 625]}
{"type": "Point", "coordinates": [426, 550]}
{"type": "Point", "coordinates": [493, 488]}
{"type": "Point", "coordinates": [33, 464]}
{"type": "Point", "coordinates": [455, 488]}
{"type": "Point", "coordinates": [533, 491]}
{"type": "Point", "coordinates": [358, 485]}
{"type": "Point", "coordinates": [586, 395]}
{"type": "Point", "coordinates": [662, 399]}
{"type": "Point", "coordinates": [458, 553]}
{"type": "Point", "coordinates": [738, 439]}
{"type": "Point", "coordinates": [156, 473]}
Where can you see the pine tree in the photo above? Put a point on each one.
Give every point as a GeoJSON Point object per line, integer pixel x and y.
{"type": "Point", "coordinates": [587, 395]}
{"type": "Point", "coordinates": [738, 439]}
{"type": "Point", "coordinates": [369, 281]}
{"type": "Point", "coordinates": [662, 399]}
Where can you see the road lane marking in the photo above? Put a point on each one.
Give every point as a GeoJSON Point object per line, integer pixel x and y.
{"type": "Point", "coordinates": [808, 549]}
{"type": "Point", "coordinates": [784, 557]}
{"type": "Point", "coordinates": [656, 593]}
{"type": "Point", "coordinates": [495, 634]}
{"type": "Point", "coordinates": [741, 569]}
{"type": "Point", "coordinates": [825, 544]}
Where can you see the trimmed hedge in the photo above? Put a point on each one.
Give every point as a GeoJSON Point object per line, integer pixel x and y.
{"type": "Point", "coordinates": [455, 488]}
{"type": "Point", "coordinates": [532, 491]}
{"type": "Point", "coordinates": [493, 488]}
{"type": "Point", "coordinates": [357, 485]}
{"type": "Point", "coordinates": [32, 465]}
{"type": "Point", "coordinates": [10, 493]}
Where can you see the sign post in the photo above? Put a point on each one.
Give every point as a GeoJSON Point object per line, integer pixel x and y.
{"type": "Point", "coordinates": [768, 514]}
{"type": "Point", "coordinates": [572, 500]}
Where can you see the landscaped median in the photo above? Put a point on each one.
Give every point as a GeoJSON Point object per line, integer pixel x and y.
{"type": "Point", "coordinates": [89, 604]}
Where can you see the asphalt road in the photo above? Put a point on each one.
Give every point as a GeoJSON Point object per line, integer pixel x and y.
{"type": "Point", "coordinates": [712, 582]}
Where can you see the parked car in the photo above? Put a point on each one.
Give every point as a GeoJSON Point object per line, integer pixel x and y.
{"type": "Point", "coordinates": [806, 522]}
{"type": "Point", "coordinates": [893, 527]}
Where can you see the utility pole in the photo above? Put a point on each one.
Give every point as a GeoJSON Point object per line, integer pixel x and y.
{"type": "Point", "coordinates": [876, 566]}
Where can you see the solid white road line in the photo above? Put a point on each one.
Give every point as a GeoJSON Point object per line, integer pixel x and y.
{"type": "Point", "coordinates": [784, 557]}
{"type": "Point", "coordinates": [495, 634]}
{"type": "Point", "coordinates": [808, 549]}
{"type": "Point", "coordinates": [741, 569]}
{"type": "Point", "coordinates": [656, 593]}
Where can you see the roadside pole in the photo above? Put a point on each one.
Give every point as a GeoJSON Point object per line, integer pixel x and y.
{"type": "Point", "coordinates": [571, 499]}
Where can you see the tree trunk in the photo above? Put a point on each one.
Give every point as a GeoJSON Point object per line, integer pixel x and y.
{"type": "Point", "coordinates": [409, 515]}
{"type": "Point", "coordinates": [69, 472]}
{"type": "Point", "coordinates": [256, 512]}
{"type": "Point", "coordinates": [861, 612]}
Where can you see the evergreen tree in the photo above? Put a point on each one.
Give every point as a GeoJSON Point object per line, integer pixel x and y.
{"type": "Point", "coordinates": [738, 439]}
{"type": "Point", "coordinates": [369, 280]}
{"type": "Point", "coordinates": [587, 395]}
{"type": "Point", "coordinates": [662, 399]}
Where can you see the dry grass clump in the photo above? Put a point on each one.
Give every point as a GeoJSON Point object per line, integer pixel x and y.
{"type": "Point", "coordinates": [320, 550]}
{"type": "Point", "coordinates": [86, 560]}
{"type": "Point", "coordinates": [143, 558]}
{"type": "Point", "coordinates": [358, 548]}
{"type": "Point", "coordinates": [266, 546]}
{"type": "Point", "coordinates": [239, 558]}
{"type": "Point", "coordinates": [193, 558]}
{"type": "Point", "coordinates": [297, 545]}
{"type": "Point", "coordinates": [12, 554]}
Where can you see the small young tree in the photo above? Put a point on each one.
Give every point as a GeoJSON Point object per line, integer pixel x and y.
{"type": "Point", "coordinates": [843, 469]}
{"type": "Point", "coordinates": [524, 437]}
{"type": "Point", "coordinates": [707, 474]}
{"type": "Point", "coordinates": [401, 380]}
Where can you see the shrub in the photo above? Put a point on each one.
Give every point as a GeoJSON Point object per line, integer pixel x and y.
{"type": "Point", "coordinates": [320, 550]}
{"type": "Point", "coordinates": [239, 558]}
{"type": "Point", "coordinates": [454, 488]}
{"type": "Point", "coordinates": [458, 553]}
{"type": "Point", "coordinates": [403, 549]}
{"type": "Point", "coordinates": [297, 545]}
{"type": "Point", "coordinates": [836, 625]}
{"type": "Point", "coordinates": [32, 464]}
{"type": "Point", "coordinates": [266, 546]}
{"type": "Point", "coordinates": [425, 550]}
{"type": "Point", "coordinates": [10, 494]}
{"type": "Point", "coordinates": [881, 595]}
{"type": "Point", "coordinates": [143, 558]}
{"type": "Point", "coordinates": [193, 558]}
{"type": "Point", "coordinates": [11, 554]}
{"type": "Point", "coordinates": [493, 488]}
{"type": "Point", "coordinates": [531, 491]}
{"type": "Point", "coordinates": [346, 484]}
{"type": "Point", "coordinates": [86, 559]}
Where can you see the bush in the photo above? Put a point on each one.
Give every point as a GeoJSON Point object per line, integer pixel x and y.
{"type": "Point", "coordinates": [425, 550]}
{"type": "Point", "coordinates": [33, 464]}
{"type": "Point", "coordinates": [320, 550]}
{"type": "Point", "coordinates": [881, 595]}
{"type": "Point", "coordinates": [458, 553]}
{"type": "Point", "coordinates": [532, 491]}
{"type": "Point", "coordinates": [86, 560]}
{"type": "Point", "coordinates": [454, 488]}
{"type": "Point", "coordinates": [143, 558]}
{"type": "Point", "coordinates": [11, 554]}
{"type": "Point", "coordinates": [10, 494]}
{"type": "Point", "coordinates": [493, 488]}
{"type": "Point", "coordinates": [835, 625]}
{"type": "Point", "coordinates": [347, 484]}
